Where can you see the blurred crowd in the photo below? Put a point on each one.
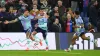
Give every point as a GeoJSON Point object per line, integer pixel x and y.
{"type": "Point", "coordinates": [63, 14]}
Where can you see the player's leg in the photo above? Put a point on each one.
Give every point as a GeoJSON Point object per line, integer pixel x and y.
{"type": "Point", "coordinates": [44, 33]}
{"type": "Point", "coordinates": [28, 35]}
{"type": "Point", "coordinates": [73, 41]}
{"type": "Point", "coordinates": [88, 38]}
{"type": "Point", "coordinates": [32, 36]}
{"type": "Point", "coordinates": [84, 37]}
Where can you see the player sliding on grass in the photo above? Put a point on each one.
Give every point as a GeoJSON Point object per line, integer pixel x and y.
{"type": "Point", "coordinates": [79, 29]}
{"type": "Point", "coordinates": [41, 26]}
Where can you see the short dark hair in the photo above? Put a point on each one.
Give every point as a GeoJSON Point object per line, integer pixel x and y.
{"type": "Point", "coordinates": [25, 10]}
{"type": "Point", "coordinates": [77, 12]}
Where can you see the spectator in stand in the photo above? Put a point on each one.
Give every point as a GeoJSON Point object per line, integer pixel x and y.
{"type": "Point", "coordinates": [15, 27]}
{"type": "Point", "coordinates": [2, 3]}
{"type": "Point", "coordinates": [52, 3]}
{"type": "Point", "coordinates": [44, 3]}
{"type": "Point", "coordinates": [69, 24]}
{"type": "Point", "coordinates": [4, 17]}
{"type": "Point", "coordinates": [1, 19]}
{"type": "Point", "coordinates": [85, 7]}
{"type": "Point", "coordinates": [29, 2]}
{"type": "Point", "coordinates": [74, 5]}
{"type": "Point", "coordinates": [56, 27]}
{"type": "Point", "coordinates": [35, 8]}
{"type": "Point", "coordinates": [66, 3]}
{"type": "Point", "coordinates": [61, 10]}
{"type": "Point", "coordinates": [80, 5]}
{"type": "Point", "coordinates": [93, 14]}
{"type": "Point", "coordinates": [22, 9]}
{"type": "Point", "coordinates": [39, 2]}
{"type": "Point", "coordinates": [21, 2]}
{"type": "Point", "coordinates": [54, 13]}
{"type": "Point", "coordinates": [35, 2]}
{"type": "Point", "coordinates": [13, 3]}
{"type": "Point", "coordinates": [69, 11]}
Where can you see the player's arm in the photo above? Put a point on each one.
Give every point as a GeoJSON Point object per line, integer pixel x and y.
{"type": "Point", "coordinates": [12, 21]}
{"type": "Point", "coordinates": [82, 25]}
{"type": "Point", "coordinates": [38, 17]}
{"type": "Point", "coordinates": [46, 16]}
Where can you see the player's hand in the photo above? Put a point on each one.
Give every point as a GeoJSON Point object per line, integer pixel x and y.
{"type": "Point", "coordinates": [82, 25]}
{"type": "Point", "coordinates": [76, 26]}
{"type": "Point", "coordinates": [6, 22]}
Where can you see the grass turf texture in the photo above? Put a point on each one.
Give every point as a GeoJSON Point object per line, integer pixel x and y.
{"type": "Point", "coordinates": [51, 53]}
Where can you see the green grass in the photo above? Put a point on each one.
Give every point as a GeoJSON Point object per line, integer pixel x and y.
{"type": "Point", "coordinates": [51, 53]}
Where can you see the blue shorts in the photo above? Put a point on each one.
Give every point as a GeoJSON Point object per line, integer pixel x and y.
{"type": "Point", "coordinates": [28, 30]}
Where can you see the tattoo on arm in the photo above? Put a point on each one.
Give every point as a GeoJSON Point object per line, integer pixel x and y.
{"type": "Point", "coordinates": [13, 21]}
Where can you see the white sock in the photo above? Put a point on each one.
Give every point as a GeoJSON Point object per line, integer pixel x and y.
{"type": "Point", "coordinates": [37, 39]}
{"type": "Point", "coordinates": [28, 40]}
{"type": "Point", "coordinates": [71, 46]}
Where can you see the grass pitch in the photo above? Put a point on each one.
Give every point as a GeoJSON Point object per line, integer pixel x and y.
{"type": "Point", "coordinates": [51, 53]}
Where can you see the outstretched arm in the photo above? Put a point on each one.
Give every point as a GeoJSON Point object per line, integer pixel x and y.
{"type": "Point", "coordinates": [13, 21]}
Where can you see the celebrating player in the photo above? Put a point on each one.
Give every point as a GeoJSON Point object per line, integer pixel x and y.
{"type": "Point", "coordinates": [41, 26]}
{"type": "Point", "coordinates": [79, 29]}
{"type": "Point", "coordinates": [26, 23]}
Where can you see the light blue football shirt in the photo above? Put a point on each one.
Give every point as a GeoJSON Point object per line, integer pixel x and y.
{"type": "Point", "coordinates": [42, 22]}
{"type": "Point", "coordinates": [26, 21]}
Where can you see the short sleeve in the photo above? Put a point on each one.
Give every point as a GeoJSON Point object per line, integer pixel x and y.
{"type": "Point", "coordinates": [31, 17]}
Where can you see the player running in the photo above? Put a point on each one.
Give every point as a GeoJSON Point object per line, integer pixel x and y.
{"type": "Point", "coordinates": [41, 26]}
{"type": "Point", "coordinates": [80, 31]}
